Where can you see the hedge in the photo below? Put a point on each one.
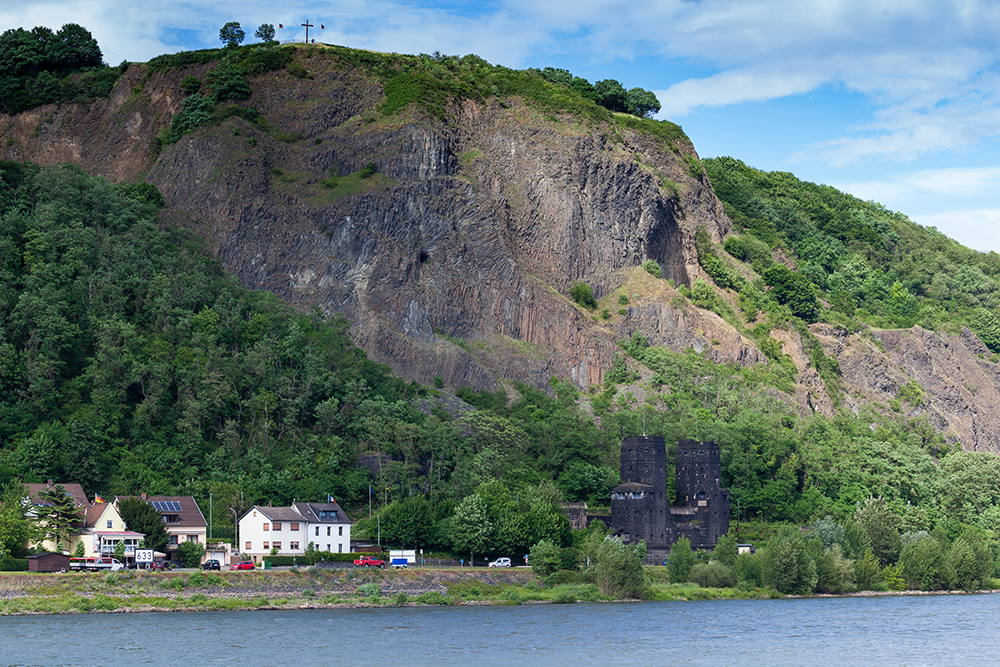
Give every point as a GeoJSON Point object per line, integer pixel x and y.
{"type": "Point", "coordinates": [14, 565]}
{"type": "Point", "coordinates": [326, 555]}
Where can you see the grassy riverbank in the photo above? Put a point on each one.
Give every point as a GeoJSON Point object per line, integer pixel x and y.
{"type": "Point", "coordinates": [306, 589]}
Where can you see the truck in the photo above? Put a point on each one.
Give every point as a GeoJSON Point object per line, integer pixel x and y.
{"type": "Point", "coordinates": [95, 564]}
{"type": "Point", "coordinates": [368, 561]}
{"type": "Point", "coordinates": [402, 558]}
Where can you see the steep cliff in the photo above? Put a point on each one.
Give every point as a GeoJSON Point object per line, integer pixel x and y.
{"type": "Point", "coordinates": [454, 252]}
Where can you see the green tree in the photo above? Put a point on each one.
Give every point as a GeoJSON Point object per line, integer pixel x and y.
{"type": "Point", "coordinates": [867, 571]}
{"type": "Point", "coordinates": [926, 565]}
{"type": "Point", "coordinates": [265, 33]}
{"type": "Point", "coordinates": [642, 103]}
{"type": "Point", "coordinates": [726, 549]}
{"type": "Point", "coordinates": [57, 513]}
{"type": "Point", "coordinates": [80, 550]}
{"type": "Point", "coordinates": [618, 569]}
{"type": "Point", "coordinates": [407, 523]}
{"type": "Point", "coordinates": [472, 530]}
{"type": "Point", "coordinates": [231, 35]}
{"type": "Point", "coordinates": [120, 551]}
{"type": "Point", "coordinates": [881, 528]}
{"type": "Point", "coordinates": [544, 558]}
{"type": "Point", "coordinates": [786, 564]}
{"type": "Point", "coordinates": [139, 516]}
{"type": "Point", "coordinates": [191, 553]}
{"type": "Point", "coordinates": [17, 528]}
{"type": "Point", "coordinates": [611, 95]}
{"type": "Point", "coordinates": [681, 560]}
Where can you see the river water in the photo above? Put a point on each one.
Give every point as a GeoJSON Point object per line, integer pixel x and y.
{"type": "Point", "coordinates": [843, 632]}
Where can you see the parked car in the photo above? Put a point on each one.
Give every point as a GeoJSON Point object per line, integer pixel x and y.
{"type": "Point", "coordinates": [501, 562]}
{"type": "Point", "coordinates": [244, 565]}
{"type": "Point", "coordinates": [368, 561]}
{"type": "Point", "coordinates": [211, 565]}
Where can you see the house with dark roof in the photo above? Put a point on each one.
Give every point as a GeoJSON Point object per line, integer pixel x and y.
{"type": "Point", "coordinates": [182, 518]}
{"type": "Point", "coordinates": [74, 491]}
{"type": "Point", "coordinates": [290, 530]}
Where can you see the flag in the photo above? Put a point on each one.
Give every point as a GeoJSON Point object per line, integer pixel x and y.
{"type": "Point", "coordinates": [330, 499]}
{"type": "Point", "coordinates": [98, 499]}
{"type": "Point", "coordinates": [322, 27]}
{"type": "Point", "coordinates": [280, 26]}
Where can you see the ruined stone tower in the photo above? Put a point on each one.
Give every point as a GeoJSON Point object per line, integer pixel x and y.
{"type": "Point", "coordinates": [641, 510]}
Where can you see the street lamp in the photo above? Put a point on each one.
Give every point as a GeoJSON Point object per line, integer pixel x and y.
{"type": "Point", "coordinates": [236, 543]}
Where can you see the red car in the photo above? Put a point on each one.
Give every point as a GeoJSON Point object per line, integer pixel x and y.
{"type": "Point", "coordinates": [243, 565]}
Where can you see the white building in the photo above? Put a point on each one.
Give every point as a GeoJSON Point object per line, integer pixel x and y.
{"type": "Point", "coordinates": [290, 530]}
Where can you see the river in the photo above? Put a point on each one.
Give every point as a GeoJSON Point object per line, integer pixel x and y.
{"type": "Point", "coordinates": [906, 631]}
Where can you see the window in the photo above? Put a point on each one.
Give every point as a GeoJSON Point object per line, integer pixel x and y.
{"type": "Point", "coordinates": [341, 529]}
{"type": "Point", "coordinates": [317, 531]}
{"type": "Point", "coordinates": [267, 526]}
{"type": "Point", "coordinates": [328, 547]}
{"type": "Point", "coordinates": [294, 526]}
{"type": "Point", "coordinates": [172, 540]}
{"type": "Point", "coordinates": [340, 548]}
{"type": "Point", "coordinates": [276, 545]}
{"type": "Point", "coordinates": [192, 538]}
{"type": "Point", "coordinates": [277, 526]}
{"type": "Point", "coordinates": [267, 545]}
{"type": "Point", "coordinates": [294, 546]}
{"type": "Point", "coordinates": [248, 546]}
{"type": "Point", "coordinates": [109, 524]}
{"type": "Point", "coordinates": [328, 531]}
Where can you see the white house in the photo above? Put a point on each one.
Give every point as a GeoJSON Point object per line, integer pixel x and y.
{"type": "Point", "coordinates": [290, 530]}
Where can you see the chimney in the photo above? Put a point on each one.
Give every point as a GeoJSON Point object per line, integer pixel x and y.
{"type": "Point", "coordinates": [144, 496]}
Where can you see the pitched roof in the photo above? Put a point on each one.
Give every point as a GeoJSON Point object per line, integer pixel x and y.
{"type": "Point", "coordinates": [188, 513]}
{"type": "Point", "coordinates": [75, 491]}
{"type": "Point", "coordinates": [322, 512]}
{"type": "Point", "coordinates": [280, 513]}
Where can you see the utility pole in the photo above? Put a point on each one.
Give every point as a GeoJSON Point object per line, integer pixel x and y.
{"type": "Point", "coordinates": [307, 25]}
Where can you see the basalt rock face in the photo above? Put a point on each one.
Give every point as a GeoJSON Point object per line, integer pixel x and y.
{"type": "Point", "coordinates": [455, 258]}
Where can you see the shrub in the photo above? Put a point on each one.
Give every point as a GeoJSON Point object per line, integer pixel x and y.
{"type": "Point", "coordinates": [652, 267]}
{"type": "Point", "coordinates": [583, 295]}
{"type": "Point", "coordinates": [190, 84]}
{"type": "Point", "coordinates": [712, 575]}
{"type": "Point", "coordinates": [431, 597]}
{"type": "Point", "coordinates": [369, 590]}
{"type": "Point", "coordinates": [368, 171]}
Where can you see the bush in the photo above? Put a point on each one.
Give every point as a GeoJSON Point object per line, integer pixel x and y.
{"type": "Point", "coordinates": [431, 597]}
{"type": "Point", "coordinates": [369, 590]}
{"type": "Point", "coordinates": [652, 267]}
{"type": "Point", "coordinates": [583, 295]}
{"type": "Point", "coordinates": [712, 575]}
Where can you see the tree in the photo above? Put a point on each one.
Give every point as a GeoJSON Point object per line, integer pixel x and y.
{"type": "Point", "coordinates": [16, 526]}
{"type": "Point", "coordinates": [407, 523]}
{"type": "Point", "coordinates": [618, 569]}
{"type": "Point", "coordinates": [881, 526]}
{"type": "Point", "coordinates": [786, 565]}
{"type": "Point", "coordinates": [583, 295]}
{"type": "Point", "coordinates": [472, 530]}
{"type": "Point", "coordinates": [120, 551]}
{"type": "Point", "coordinates": [681, 560]}
{"type": "Point", "coordinates": [544, 558]}
{"type": "Point", "coordinates": [231, 35]}
{"type": "Point", "coordinates": [140, 517]}
{"type": "Point", "coordinates": [642, 103]}
{"type": "Point", "coordinates": [57, 513]}
{"type": "Point", "coordinates": [265, 33]}
{"type": "Point", "coordinates": [191, 553]}
{"type": "Point", "coordinates": [611, 95]}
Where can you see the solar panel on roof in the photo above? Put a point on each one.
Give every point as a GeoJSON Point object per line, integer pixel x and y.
{"type": "Point", "coordinates": [166, 505]}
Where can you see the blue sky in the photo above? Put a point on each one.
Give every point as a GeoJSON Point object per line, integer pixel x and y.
{"type": "Point", "coordinates": [896, 101]}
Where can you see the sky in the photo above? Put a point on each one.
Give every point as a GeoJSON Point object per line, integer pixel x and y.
{"type": "Point", "coordinates": [895, 101]}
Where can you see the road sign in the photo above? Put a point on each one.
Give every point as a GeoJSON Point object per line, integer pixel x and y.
{"type": "Point", "coordinates": [143, 555]}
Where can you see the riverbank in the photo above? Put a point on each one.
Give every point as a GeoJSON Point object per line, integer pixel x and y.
{"type": "Point", "coordinates": [314, 588]}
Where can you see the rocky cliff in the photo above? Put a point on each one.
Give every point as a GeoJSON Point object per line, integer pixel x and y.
{"type": "Point", "coordinates": [453, 253]}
